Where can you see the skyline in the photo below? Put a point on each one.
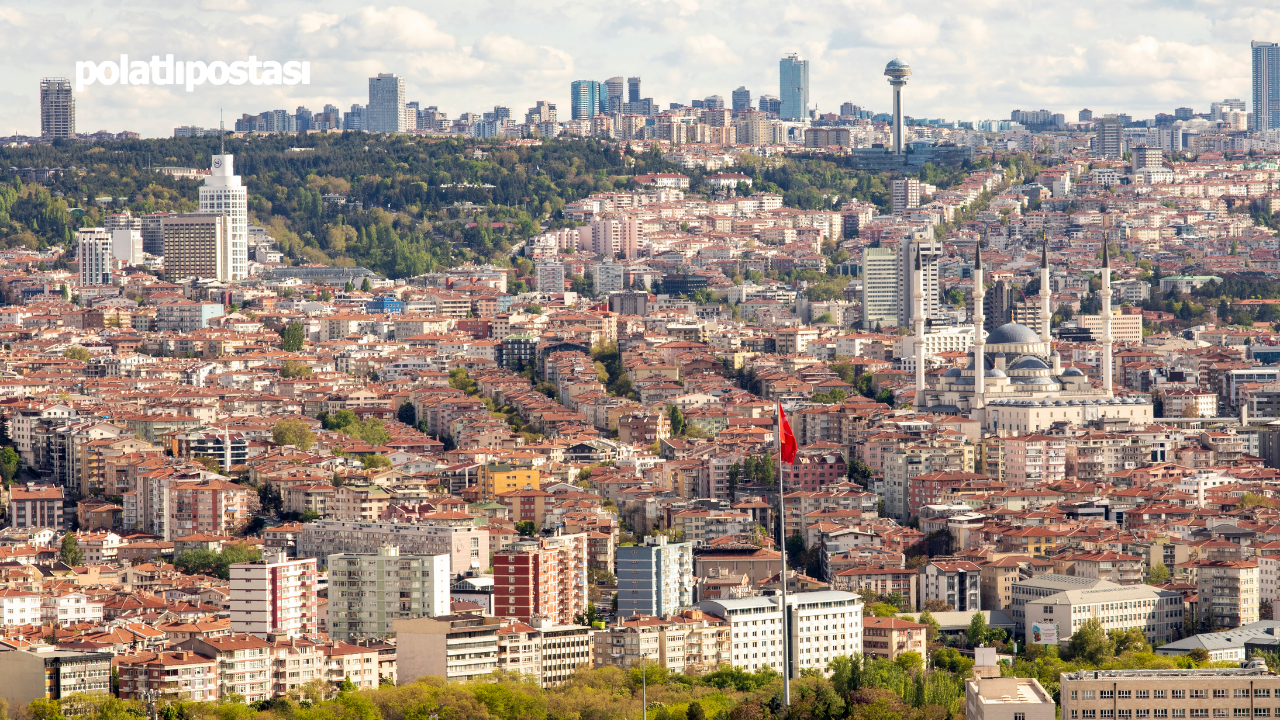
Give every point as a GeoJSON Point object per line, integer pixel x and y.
{"type": "Point", "coordinates": [964, 57]}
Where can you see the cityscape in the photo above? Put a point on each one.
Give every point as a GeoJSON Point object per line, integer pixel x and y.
{"type": "Point", "coordinates": [619, 406]}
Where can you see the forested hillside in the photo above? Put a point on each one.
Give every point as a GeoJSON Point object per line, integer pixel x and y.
{"type": "Point", "coordinates": [423, 202]}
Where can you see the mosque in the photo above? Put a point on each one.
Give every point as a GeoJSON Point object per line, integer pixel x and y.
{"type": "Point", "coordinates": [1022, 387]}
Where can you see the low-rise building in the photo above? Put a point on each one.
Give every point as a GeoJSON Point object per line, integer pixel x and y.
{"type": "Point", "coordinates": [1172, 694]}
{"type": "Point", "coordinates": [887, 638]}
{"type": "Point", "coordinates": [457, 648]}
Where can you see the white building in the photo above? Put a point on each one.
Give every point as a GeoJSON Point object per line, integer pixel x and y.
{"type": "Point", "coordinates": [94, 256]}
{"type": "Point", "coordinates": [824, 625]}
{"type": "Point", "coordinates": [548, 653]}
{"type": "Point", "coordinates": [655, 578]}
{"type": "Point", "coordinates": [1124, 328]}
{"type": "Point", "coordinates": [550, 277]}
{"type": "Point", "coordinates": [958, 338]}
{"type": "Point", "coordinates": [71, 607]}
{"type": "Point", "coordinates": [906, 194]}
{"type": "Point", "coordinates": [1196, 485]}
{"type": "Point", "coordinates": [1157, 613]}
{"type": "Point", "coordinates": [879, 287]}
{"type": "Point", "coordinates": [608, 278]}
{"type": "Point", "coordinates": [19, 608]}
{"type": "Point", "coordinates": [274, 595]}
{"type": "Point", "coordinates": [991, 697]}
{"type": "Point", "coordinates": [367, 593]}
{"type": "Point", "coordinates": [126, 246]}
{"type": "Point", "coordinates": [387, 111]}
{"type": "Point", "coordinates": [223, 193]}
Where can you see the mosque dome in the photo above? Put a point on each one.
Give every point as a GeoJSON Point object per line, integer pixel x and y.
{"type": "Point", "coordinates": [1072, 372]}
{"type": "Point", "coordinates": [1029, 362]}
{"type": "Point", "coordinates": [1012, 333]}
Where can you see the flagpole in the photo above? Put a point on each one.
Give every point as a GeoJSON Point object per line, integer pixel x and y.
{"type": "Point", "coordinates": [782, 519]}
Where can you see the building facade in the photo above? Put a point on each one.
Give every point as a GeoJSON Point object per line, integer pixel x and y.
{"type": "Point", "coordinates": [655, 578]}
{"type": "Point", "coordinates": [275, 595]}
{"type": "Point", "coordinates": [368, 593]}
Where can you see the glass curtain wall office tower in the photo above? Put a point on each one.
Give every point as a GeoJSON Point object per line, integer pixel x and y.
{"type": "Point", "coordinates": [1266, 85]}
{"type": "Point", "coordinates": [793, 87]}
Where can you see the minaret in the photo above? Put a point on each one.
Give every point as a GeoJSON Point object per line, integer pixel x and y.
{"type": "Point", "coordinates": [979, 364]}
{"type": "Point", "coordinates": [917, 310]}
{"type": "Point", "coordinates": [1046, 313]}
{"type": "Point", "coordinates": [1106, 320]}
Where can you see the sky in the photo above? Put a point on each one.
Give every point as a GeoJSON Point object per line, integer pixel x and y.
{"type": "Point", "coordinates": [971, 59]}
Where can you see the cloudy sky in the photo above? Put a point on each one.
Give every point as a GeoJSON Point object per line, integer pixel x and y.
{"type": "Point", "coordinates": [972, 59]}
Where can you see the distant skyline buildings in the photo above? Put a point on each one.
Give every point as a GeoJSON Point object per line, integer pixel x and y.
{"type": "Point", "coordinates": [584, 99]}
{"type": "Point", "coordinates": [1266, 84]}
{"type": "Point", "coordinates": [793, 87]}
{"type": "Point", "coordinates": [57, 108]}
{"type": "Point", "coordinates": [387, 112]}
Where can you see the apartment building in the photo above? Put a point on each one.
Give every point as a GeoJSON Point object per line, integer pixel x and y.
{"type": "Point", "coordinates": [1251, 691]}
{"type": "Point", "coordinates": [457, 648]}
{"type": "Point", "coordinates": [36, 507]}
{"type": "Point", "coordinates": [1159, 614]}
{"type": "Point", "coordinates": [887, 638]}
{"type": "Point", "coordinates": [655, 578]}
{"type": "Point", "coordinates": [543, 576]}
{"type": "Point", "coordinates": [275, 595]}
{"type": "Point", "coordinates": [175, 675]}
{"type": "Point", "coordinates": [991, 697]}
{"type": "Point", "coordinates": [369, 592]}
{"type": "Point", "coordinates": [824, 625]}
{"type": "Point", "coordinates": [1031, 460]}
{"type": "Point", "coordinates": [879, 579]}
{"type": "Point", "coordinates": [50, 674]}
{"type": "Point", "coordinates": [547, 653]}
{"type": "Point", "coordinates": [1229, 593]}
{"type": "Point", "coordinates": [466, 546]}
{"type": "Point", "coordinates": [295, 661]}
{"type": "Point", "coordinates": [244, 663]}
{"type": "Point", "coordinates": [357, 664]}
{"type": "Point", "coordinates": [66, 608]}
{"type": "Point", "coordinates": [957, 584]}
{"type": "Point", "coordinates": [19, 608]}
{"type": "Point", "coordinates": [998, 577]}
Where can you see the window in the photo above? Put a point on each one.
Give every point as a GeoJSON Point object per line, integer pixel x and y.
{"type": "Point", "coordinates": [1157, 694]}
{"type": "Point", "coordinates": [1179, 712]}
{"type": "Point", "coordinates": [1106, 694]}
{"type": "Point", "coordinates": [1107, 714]}
{"type": "Point", "coordinates": [1086, 694]}
{"type": "Point", "coordinates": [1219, 692]}
{"type": "Point", "coordinates": [1088, 714]}
{"type": "Point", "coordinates": [1142, 713]}
{"type": "Point", "coordinates": [1219, 712]}
{"type": "Point", "coordinates": [1141, 694]}
{"type": "Point", "coordinates": [1239, 693]}
{"type": "Point", "coordinates": [1073, 694]}
{"type": "Point", "coordinates": [1240, 712]}
{"type": "Point", "coordinates": [1179, 694]}
{"type": "Point", "coordinates": [1262, 712]}
{"type": "Point", "coordinates": [1123, 694]}
{"type": "Point", "coordinates": [1194, 693]}
{"type": "Point", "coordinates": [1262, 692]}
{"type": "Point", "coordinates": [1124, 714]}
{"type": "Point", "coordinates": [1019, 716]}
{"type": "Point", "coordinates": [1161, 712]}
{"type": "Point", "coordinates": [1197, 713]}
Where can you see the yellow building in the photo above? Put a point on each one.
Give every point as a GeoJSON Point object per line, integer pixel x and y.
{"type": "Point", "coordinates": [498, 479]}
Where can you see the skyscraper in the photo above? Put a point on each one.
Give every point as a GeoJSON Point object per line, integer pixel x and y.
{"type": "Point", "coordinates": [386, 112]}
{"type": "Point", "coordinates": [793, 87]}
{"type": "Point", "coordinates": [93, 254]}
{"type": "Point", "coordinates": [585, 98]}
{"type": "Point", "coordinates": [770, 104]}
{"type": "Point", "coordinates": [223, 193]}
{"type": "Point", "coordinates": [1108, 143]}
{"type": "Point", "coordinates": [195, 245]}
{"type": "Point", "coordinates": [879, 287]}
{"type": "Point", "coordinates": [614, 97]}
{"type": "Point", "coordinates": [57, 108]}
{"type": "Point", "coordinates": [633, 89]}
{"type": "Point", "coordinates": [928, 250]}
{"type": "Point", "coordinates": [1266, 85]}
{"type": "Point", "coordinates": [741, 99]}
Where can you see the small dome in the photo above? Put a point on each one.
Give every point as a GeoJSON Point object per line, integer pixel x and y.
{"type": "Point", "coordinates": [1072, 372]}
{"type": "Point", "coordinates": [953, 372]}
{"type": "Point", "coordinates": [896, 63]}
{"type": "Point", "coordinates": [1013, 333]}
{"type": "Point", "coordinates": [996, 373]}
{"type": "Point", "coordinates": [1029, 362]}
{"type": "Point", "coordinates": [1033, 381]}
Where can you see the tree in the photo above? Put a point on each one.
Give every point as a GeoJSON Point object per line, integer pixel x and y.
{"type": "Point", "coordinates": [10, 464]}
{"type": "Point", "coordinates": [1159, 574]}
{"type": "Point", "coordinates": [1198, 655]}
{"type": "Point", "coordinates": [75, 352]}
{"type": "Point", "coordinates": [695, 711]}
{"type": "Point", "coordinates": [407, 414]}
{"type": "Point", "coordinates": [292, 431]}
{"type": "Point", "coordinates": [937, 605]}
{"type": "Point", "coordinates": [292, 337]}
{"type": "Point", "coordinates": [977, 632]}
{"type": "Point", "coordinates": [1129, 640]}
{"type": "Point", "coordinates": [366, 286]}
{"type": "Point", "coordinates": [70, 553]}
{"type": "Point", "coordinates": [374, 462]}
{"type": "Point", "coordinates": [910, 662]}
{"type": "Point", "coordinates": [348, 287]}
{"type": "Point", "coordinates": [1090, 644]}
{"type": "Point", "coordinates": [677, 420]}
{"type": "Point", "coordinates": [927, 618]}
{"type": "Point", "coordinates": [294, 369]}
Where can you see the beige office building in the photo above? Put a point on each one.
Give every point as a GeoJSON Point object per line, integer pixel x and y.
{"type": "Point", "coordinates": [1252, 692]}
{"type": "Point", "coordinates": [1124, 328]}
{"type": "Point", "coordinates": [197, 245]}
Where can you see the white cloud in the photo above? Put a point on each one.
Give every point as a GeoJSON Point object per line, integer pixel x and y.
{"type": "Point", "coordinates": [394, 29]}
{"type": "Point", "coordinates": [710, 50]}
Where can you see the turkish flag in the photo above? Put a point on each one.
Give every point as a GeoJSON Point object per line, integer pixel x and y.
{"type": "Point", "coordinates": [789, 444]}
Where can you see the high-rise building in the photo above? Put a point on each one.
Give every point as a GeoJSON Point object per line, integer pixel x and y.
{"type": "Point", "coordinates": [222, 192]}
{"type": "Point", "coordinates": [1085, 115]}
{"type": "Point", "coordinates": [930, 251]}
{"type": "Point", "coordinates": [906, 194]}
{"type": "Point", "coordinates": [545, 576]}
{"type": "Point", "coordinates": [1146, 158]}
{"type": "Point", "coordinates": [357, 118]}
{"type": "Point", "coordinates": [126, 237]}
{"type": "Point", "coordinates": [1183, 113]}
{"type": "Point", "coordinates": [655, 578]}
{"type": "Point", "coordinates": [770, 104]}
{"type": "Point", "coordinates": [1266, 85]}
{"type": "Point", "coordinates": [614, 95]}
{"type": "Point", "coordinates": [542, 112]}
{"type": "Point", "coordinates": [713, 102]}
{"type": "Point", "coordinates": [633, 89]}
{"type": "Point", "coordinates": [585, 99]}
{"type": "Point", "coordinates": [152, 227]}
{"type": "Point", "coordinates": [550, 277]}
{"type": "Point", "coordinates": [793, 87]}
{"type": "Point", "coordinates": [1109, 140]}
{"type": "Point", "coordinates": [741, 98]}
{"type": "Point", "coordinates": [57, 108]}
{"type": "Point", "coordinates": [386, 104]}
{"type": "Point", "coordinates": [196, 245]}
{"type": "Point", "coordinates": [94, 256]}
{"type": "Point", "coordinates": [879, 287]}
{"type": "Point", "coordinates": [367, 593]}
{"type": "Point", "coordinates": [274, 595]}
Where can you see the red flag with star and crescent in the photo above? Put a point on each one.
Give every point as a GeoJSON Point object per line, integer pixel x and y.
{"type": "Point", "coordinates": [788, 444]}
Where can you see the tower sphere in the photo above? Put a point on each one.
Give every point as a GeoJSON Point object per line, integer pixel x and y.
{"type": "Point", "coordinates": [897, 69]}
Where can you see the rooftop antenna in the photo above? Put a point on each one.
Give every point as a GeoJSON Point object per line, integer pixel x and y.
{"type": "Point", "coordinates": [222, 134]}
